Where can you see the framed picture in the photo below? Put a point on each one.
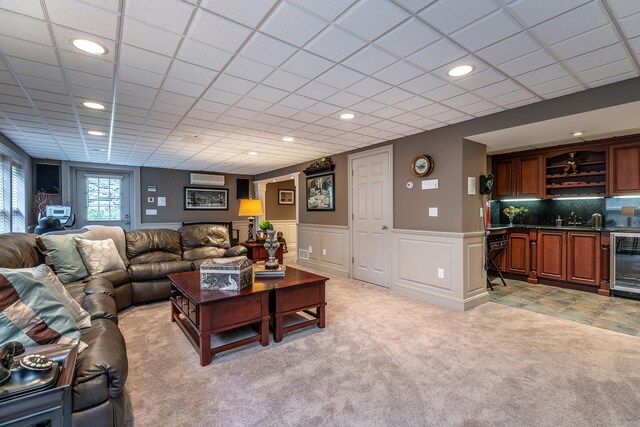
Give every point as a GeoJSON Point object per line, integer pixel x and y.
{"type": "Point", "coordinates": [321, 193]}
{"type": "Point", "coordinates": [286, 197]}
{"type": "Point", "coordinates": [206, 198]}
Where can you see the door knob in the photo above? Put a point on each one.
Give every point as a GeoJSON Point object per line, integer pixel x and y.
{"type": "Point", "coordinates": [384, 227]}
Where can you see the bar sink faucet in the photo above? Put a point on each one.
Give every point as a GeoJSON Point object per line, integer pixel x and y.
{"type": "Point", "coordinates": [574, 219]}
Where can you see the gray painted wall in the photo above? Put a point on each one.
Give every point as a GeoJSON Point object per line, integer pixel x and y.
{"type": "Point", "coordinates": [274, 211]}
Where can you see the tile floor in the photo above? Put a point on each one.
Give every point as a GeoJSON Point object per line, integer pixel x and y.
{"type": "Point", "coordinates": [613, 313]}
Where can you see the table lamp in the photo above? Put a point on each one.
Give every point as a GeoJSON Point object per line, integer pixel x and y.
{"type": "Point", "coordinates": [629, 212]}
{"type": "Point", "coordinates": [250, 208]}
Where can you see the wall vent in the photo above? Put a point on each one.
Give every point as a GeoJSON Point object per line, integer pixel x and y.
{"type": "Point", "coordinates": [303, 254]}
{"type": "Point", "coordinates": [205, 179]}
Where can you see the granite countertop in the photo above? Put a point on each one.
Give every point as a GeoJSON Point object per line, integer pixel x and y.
{"type": "Point", "coordinates": [583, 227]}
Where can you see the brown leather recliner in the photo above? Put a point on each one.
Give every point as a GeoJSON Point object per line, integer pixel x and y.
{"type": "Point", "coordinates": [204, 241]}
{"type": "Point", "coordinates": [153, 253]}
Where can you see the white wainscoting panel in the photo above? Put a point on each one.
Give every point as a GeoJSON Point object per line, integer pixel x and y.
{"type": "Point", "coordinates": [335, 242]}
{"type": "Point", "coordinates": [289, 231]}
{"type": "Point", "coordinates": [443, 268]}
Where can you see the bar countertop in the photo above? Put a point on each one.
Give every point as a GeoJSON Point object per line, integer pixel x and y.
{"type": "Point", "coordinates": [565, 227]}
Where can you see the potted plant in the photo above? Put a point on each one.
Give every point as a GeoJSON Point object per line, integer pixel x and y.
{"type": "Point", "coordinates": [263, 226]}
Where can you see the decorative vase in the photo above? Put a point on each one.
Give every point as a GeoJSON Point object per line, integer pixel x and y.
{"type": "Point", "coordinates": [271, 245]}
{"type": "Point", "coordinates": [510, 220]}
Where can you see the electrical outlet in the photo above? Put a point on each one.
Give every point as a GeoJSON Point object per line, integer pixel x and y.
{"type": "Point", "coordinates": [441, 273]}
{"type": "Point", "coordinates": [481, 212]}
{"type": "Point", "coordinates": [324, 251]}
{"type": "Point", "coordinates": [310, 250]}
{"type": "Point", "coordinates": [433, 211]}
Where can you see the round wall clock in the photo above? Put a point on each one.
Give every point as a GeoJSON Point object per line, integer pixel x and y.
{"type": "Point", "coordinates": [422, 165]}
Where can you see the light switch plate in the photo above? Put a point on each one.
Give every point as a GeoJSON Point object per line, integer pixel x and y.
{"type": "Point", "coordinates": [481, 212]}
{"type": "Point", "coordinates": [441, 273]}
{"type": "Point", "coordinates": [324, 251]}
{"type": "Point", "coordinates": [471, 185]}
{"type": "Point", "coordinates": [430, 184]}
{"type": "Point", "coordinates": [433, 211]}
{"type": "Point", "coordinates": [310, 250]}
{"type": "Point", "coordinates": [151, 212]}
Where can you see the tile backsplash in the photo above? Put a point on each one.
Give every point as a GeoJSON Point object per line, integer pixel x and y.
{"type": "Point", "coordinates": [544, 212]}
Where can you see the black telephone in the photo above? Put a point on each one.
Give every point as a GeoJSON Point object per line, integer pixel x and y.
{"type": "Point", "coordinates": [486, 184]}
{"type": "Point", "coordinates": [34, 372]}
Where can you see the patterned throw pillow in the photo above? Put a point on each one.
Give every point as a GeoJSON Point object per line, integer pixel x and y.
{"type": "Point", "coordinates": [99, 255]}
{"type": "Point", "coordinates": [30, 314]}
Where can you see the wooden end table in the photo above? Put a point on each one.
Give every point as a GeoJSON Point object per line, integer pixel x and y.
{"type": "Point", "coordinates": [200, 313]}
{"type": "Point", "coordinates": [297, 291]}
{"type": "Point", "coordinates": [256, 252]}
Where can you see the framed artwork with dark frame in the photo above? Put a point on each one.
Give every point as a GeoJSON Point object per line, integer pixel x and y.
{"type": "Point", "coordinates": [321, 192]}
{"type": "Point", "coordinates": [196, 198]}
{"type": "Point", "coordinates": [286, 197]}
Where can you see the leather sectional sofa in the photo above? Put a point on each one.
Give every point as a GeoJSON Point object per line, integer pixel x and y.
{"type": "Point", "coordinates": [151, 254]}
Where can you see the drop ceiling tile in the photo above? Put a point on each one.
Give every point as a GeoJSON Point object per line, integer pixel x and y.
{"type": "Point", "coordinates": [368, 87]}
{"type": "Point", "coordinates": [191, 73]}
{"type": "Point", "coordinates": [551, 72]}
{"type": "Point", "coordinates": [586, 42]}
{"type": "Point", "coordinates": [266, 93]}
{"type": "Point", "coordinates": [509, 49]}
{"type": "Point", "coordinates": [477, 107]}
{"type": "Point", "coordinates": [221, 96]}
{"type": "Point", "coordinates": [143, 59]}
{"type": "Point", "coordinates": [613, 79]}
{"type": "Point", "coordinates": [323, 109]}
{"type": "Point", "coordinates": [606, 71]}
{"type": "Point", "coordinates": [203, 55]}
{"type": "Point", "coordinates": [340, 77]}
{"type": "Point", "coordinates": [413, 103]}
{"type": "Point", "coordinates": [496, 89]}
{"type": "Point", "coordinates": [598, 57]}
{"type": "Point", "coordinates": [371, 18]}
{"type": "Point", "coordinates": [444, 92]}
{"type": "Point", "coordinates": [36, 69]}
{"type": "Point", "coordinates": [481, 79]}
{"type": "Point", "coordinates": [267, 50]}
{"type": "Point", "coordinates": [635, 44]}
{"type": "Point", "coordinates": [392, 96]}
{"type": "Point", "coordinates": [551, 86]}
{"type": "Point", "coordinates": [25, 7]}
{"type": "Point", "coordinates": [367, 106]}
{"type": "Point", "coordinates": [292, 25]}
{"type": "Point", "coordinates": [461, 100]}
{"type": "Point", "coordinates": [23, 49]}
{"type": "Point", "coordinates": [570, 24]}
{"type": "Point", "coordinates": [511, 97]}
{"type": "Point", "coordinates": [141, 77]}
{"type": "Point", "coordinates": [285, 81]}
{"type": "Point", "coordinates": [307, 65]}
{"type": "Point", "coordinates": [328, 10]}
{"type": "Point", "coordinates": [246, 13]}
{"type": "Point", "coordinates": [210, 106]}
{"type": "Point", "coordinates": [64, 35]}
{"type": "Point", "coordinates": [408, 37]}
{"type": "Point", "coordinates": [148, 37]}
{"type": "Point", "coordinates": [533, 13]}
{"type": "Point", "coordinates": [137, 91]}
{"type": "Point", "coordinates": [180, 86]}
{"type": "Point", "coordinates": [216, 31]}
{"type": "Point", "coordinates": [343, 99]}
{"type": "Point", "coordinates": [624, 8]}
{"type": "Point", "coordinates": [398, 73]}
{"type": "Point", "coordinates": [170, 15]}
{"type": "Point", "coordinates": [436, 55]}
{"type": "Point", "coordinates": [527, 63]}
{"type": "Point", "coordinates": [369, 60]}
{"type": "Point", "coordinates": [253, 104]}
{"type": "Point", "coordinates": [297, 101]}
{"type": "Point", "coordinates": [423, 84]}
{"type": "Point", "coordinates": [450, 15]}
{"type": "Point", "coordinates": [83, 17]}
{"type": "Point", "coordinates": [449, 116]}
{"type": "Point", "coordinates": [630, 25]}
{"type": "Point", "coordinates": [279, 111]}
{"type": "Point", "coordinates": [248, 69]}
{"type": "Point", "coordinates": [316, 90]}
{"type": "Point", "coordinates": [487, 31]}
{"type": "Point", "coordinates": [335, 44]}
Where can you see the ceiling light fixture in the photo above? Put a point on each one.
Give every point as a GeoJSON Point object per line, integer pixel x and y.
{"type": "Point", "coordinates": [253, 153]}
{"type": "Point", "coordinates": [347, 116]}
{"type": "Point", "coordinates": [102, 150]}
{"type": "Point", "coordinates": [460, 70]}
{"type": "Point", "coordinates": [288, 139]}
{"type": "Point", "coordinates": [93, 105]}
{"type": "Point", "coordinates": [578, 133]}
{"type": "Point", "coordinates": [96, 133]}
{"type": "Point", "coordinates": [89, 46]}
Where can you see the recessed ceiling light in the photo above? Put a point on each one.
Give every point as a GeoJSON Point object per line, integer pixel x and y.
{"type": "Point", "coordinates": [93, 105]}
{"type": "Point", "coordinates": [98, 149]}
{"type": "Point", "coordinates": [253, 153]}
{"type": "Point", "coordinates": [578, 133]}
{"type": "Point", "coordinates": [288, 139]}
{"type": "Point", "coordinates": [460, 70]}
{"type": "Point", "coordinates": [88, 46]}
{"type": "Point", "coordinates": [347, 116]}
{"type": "Point", "coordinates": [96, 133]}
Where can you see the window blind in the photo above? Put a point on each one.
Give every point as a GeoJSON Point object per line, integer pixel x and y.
{"type": "Point", "coordinates": [18, 223]}
{"type": "Point", "coordinates": [5, 226]}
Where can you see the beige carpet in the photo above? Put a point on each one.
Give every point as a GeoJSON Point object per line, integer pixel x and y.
{"type": "Point", "coordinates": [385, 359]}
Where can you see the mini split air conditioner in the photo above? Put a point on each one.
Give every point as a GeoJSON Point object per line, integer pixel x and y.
{"type": "Point", "coordinates": [205, 179]}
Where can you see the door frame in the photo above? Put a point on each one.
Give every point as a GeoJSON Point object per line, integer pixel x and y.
{"type": "Point", "coordinates": [69, 185]}
{"type": "Point", "coordinates": [350, 158]}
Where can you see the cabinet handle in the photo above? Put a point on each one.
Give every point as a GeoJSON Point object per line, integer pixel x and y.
{"type": "Point", "coordinates": [185, 303]}
{"type": "Point", "coordinates": [192, 311]}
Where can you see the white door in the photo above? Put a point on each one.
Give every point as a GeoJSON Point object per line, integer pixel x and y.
{"type": "Point", "coordinates": [102, 198]}
{"type": "Point", "coordinates": [371, 217]}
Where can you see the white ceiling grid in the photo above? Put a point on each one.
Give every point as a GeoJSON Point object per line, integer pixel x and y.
{"type": "Point", "coordinates": [241, 75]}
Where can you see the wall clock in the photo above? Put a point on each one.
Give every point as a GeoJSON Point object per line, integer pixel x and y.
{"type": "Point", "coordinates": [422, 165]}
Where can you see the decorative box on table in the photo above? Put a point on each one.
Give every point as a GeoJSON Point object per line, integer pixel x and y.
{"type": "Point", "coordinates": [226, 274]}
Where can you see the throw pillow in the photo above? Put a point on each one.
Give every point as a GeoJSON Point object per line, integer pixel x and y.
{"type": "Point", "coordinates": [30, 314]}
{"type": "Point", "coordinates": [66, 259]}
{"type": "Point", "coordinates": [99, 255]}
{"type": "Point", "coordinates": [103, 232]}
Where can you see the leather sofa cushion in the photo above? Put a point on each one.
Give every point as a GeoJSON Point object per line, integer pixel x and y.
{"type": "Point", "coordinates": [157, 270]}
{"type": "Point", "coordinates": [204, 235]}
{"type": "Point", "coordinates": [76, 290]}
{"type": "Point", "coordinates": [18, 250]}
{"type": "Point", "coordinates": [110, 413]}
{"type": "Point", "coordinates": [153, 245]}
{"type": "Point", "coordinates": [203, 253]}
{"type": "Point", "coordinates": [116, 277]}
{"type": "Point", "coordinates": [151, 290]}
{"type": "Point", "coordinates": [236, 251]}
{"type": "Point", "coordinates": [101, 306]}
{"type": "Point", "coordinates": [99, 285]}
{"type": "Point", "coordinates": [101, 370]}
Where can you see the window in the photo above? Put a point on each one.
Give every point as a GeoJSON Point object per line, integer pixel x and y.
{"type": "Point", "coordinates": [103, 197]}
{"type": "Point", "coordinates": [12, 196]}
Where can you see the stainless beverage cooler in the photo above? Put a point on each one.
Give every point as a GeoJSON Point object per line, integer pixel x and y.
{"type": "Point", "coordinates": [625, 264]}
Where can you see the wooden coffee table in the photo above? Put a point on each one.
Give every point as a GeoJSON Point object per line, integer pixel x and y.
{"type": "Point", "coordinates": [200, 313]}
{"type": "Point", "coordinates": [297, 291]}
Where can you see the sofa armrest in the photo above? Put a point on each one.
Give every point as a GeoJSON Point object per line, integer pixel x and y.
{"type": "Point", "coordinates": [101, 306]}
{"type": "Point", "coordinates": [99, 285]}
{"type": "Point", "coordinates": [102, 369]}
{"type": "Point", "coordinates": [235, 251]}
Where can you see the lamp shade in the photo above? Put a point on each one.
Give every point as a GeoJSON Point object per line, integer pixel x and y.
{"type": "Point", "coordinates": [250, 207]}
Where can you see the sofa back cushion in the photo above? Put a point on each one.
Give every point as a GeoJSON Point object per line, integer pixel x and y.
{"type": "Point", "coordinates": [204, 241]}
{"type": "Point", "coordinates": [30, 314]}
{"type": "Point", "coordinates": [18, 250]}
{"type": "Point", "coordinates": [153, 245]}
